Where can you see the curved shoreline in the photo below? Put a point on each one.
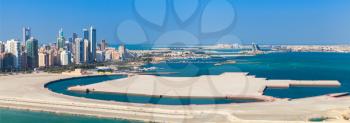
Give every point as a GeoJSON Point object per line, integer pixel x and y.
{"type": "Point", "coordinates": [33, 95]}
{"type": "Point", "coordinates": [233, 99]}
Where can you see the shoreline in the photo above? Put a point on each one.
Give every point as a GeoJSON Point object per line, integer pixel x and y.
{"type": "Point", "coordinates": [33, 95]}
{"type": "Point", "coordinates": [234, 85]}
{"type": "Point", "coordinates": [62, 114]}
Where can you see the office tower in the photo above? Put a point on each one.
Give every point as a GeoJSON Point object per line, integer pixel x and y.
{"type": "Point", "coordinates": [65, 57]}
{"type": "Point", "coordinates": [122, 51]}
{"type": "Point", "coordinates": [79, 51]}
{"type": "Point", "coordinates": [86, 51]}
{"type": "Point", "coordinates": [56, 57]}
{"type": "Point", "coordinates": [98, 46]}
{"type": "Point", "coordinates": [74, 36]}
{"type": "Point", "coordinates": [60, 40]}
{"type": "Point", "coordinates": [23, 58]}
{"type": "Point", "coordinates": [103, 45]}
{"type": "Point", "coordinates": [100, 56]}
{"type": "Point", "coordinates": [85, 34]}
{"type": "Point", "coordinates": [13, 47]}
{"type": "Point", "coordinates": [32, 52]}
{"type": "Point", "coordinates": [68, 46]}
{"type": "Point", "coordinates": [9, 61]}
{"type": "Point", "coordinates": [26, 34]}
{"type": "Point", "coordinates": [43, 59]}
{"type": "Point", "coordinates": [72, 41]}
{"type": "Point", "coordinates": [2, 47]}
{"type": "Point", "coordinates": [2, 61]}
{"type": "Point", "coordinates": [92, 40]}
{"type": "Point", "coordinates": [51, 57]}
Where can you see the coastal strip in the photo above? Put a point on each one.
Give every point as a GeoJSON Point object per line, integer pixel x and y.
{"type": "Point", "coordinates": [227, 85]}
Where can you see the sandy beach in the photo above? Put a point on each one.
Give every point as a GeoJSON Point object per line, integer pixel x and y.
{"type": "Point", "coordinates": [227, 85]}
{"type": "Point", "coordinates": [28, 92]}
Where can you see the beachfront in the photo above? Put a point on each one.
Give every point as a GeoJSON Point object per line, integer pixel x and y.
{"type": "Point", "coordinates": [33, 95]}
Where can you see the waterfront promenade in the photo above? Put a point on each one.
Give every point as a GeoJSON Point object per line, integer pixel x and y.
{"type": "Point", "coordinates": [28, 92]}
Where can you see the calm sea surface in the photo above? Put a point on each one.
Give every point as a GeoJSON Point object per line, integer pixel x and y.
{"type": "Point", "coordinates": [19, 116]}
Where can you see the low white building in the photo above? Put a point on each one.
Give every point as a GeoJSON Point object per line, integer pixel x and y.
{"type": "Point", "coordinates": [65, 57]}
{"type": "Point", "coordinates": [100, 56]}
{"type": "Point", "coordinates": [14, 47]}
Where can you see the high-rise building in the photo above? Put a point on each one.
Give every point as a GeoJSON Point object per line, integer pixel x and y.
{"type": "Point", "coordinates": [74, 36]}
{"type": "Point", "coordinates": [103, 45]}
{"type": "Point", "coordinates": [85, 34]}
{"type": "Point", "coordinates": [14, 48]}
{"type": "Point", "coordinates": [65, 57]}
{"type": "Point", "coordinates": [2, 47]}
{"type": "Point", "coordinates": [60, 40]}
{"type": "Point", "coordinates": [32, 52]}
{"type": "Point", "coordinates": [79, 51]}
{"type": "Point", "coordinates": [9, 62]}
{"type": "Point", "coordinates": [43, 59]}
{"type": "Point", "coordinates": [68, 46]}
{"type": "Point", "coordinates": [26, 34]}
{"type": "Point", "coordinates": [23, 58]}
{"type": "Point", "coordinates": [86, 51]}
{"type": "Point", "coordinates": [72, 41]}
{"type": "Point", "coordinates": [92, 40]}
{"type": "Point", "coordinates": [122, 51]}
{"type": "Point", "coordinates": [51, 57]}
{"type": "Point", "coordinates": [56, 57]}
{"type": "Point", "coordinates": [2, 61]}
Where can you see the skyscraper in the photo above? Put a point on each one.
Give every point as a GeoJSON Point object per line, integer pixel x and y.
{"type": "Point", "coordinates": [32, 52]}
{"type": "Point", "coordinates": [86, 51]}
{"type": "Point", "coordinates": [1, 61]}
{"type": "Point", "coordinates": [13, 47]}
{"type": "Point", "coordinates": [51, 57]}
{"type": "Point", "coordinates": [74, 36]}
{"type": "Point", "coordinates": [60, 40]}
{"type": "Point", "coordinates": [122, 51]}
{"type": "Point", "coordinates": [26, 34]}
{"type": "Point", "coordinates": [2, 47]}
{"type": "Point", "coordinates": [103, 45]}
{"type": "Point", "coordinates": [92, 40]}
{"type": "Point", "coordinates": [79, 51]}
{"type": "Point", "coordinates": [43, 59]}
{"type": "Point", "coordinates": [85, 34]}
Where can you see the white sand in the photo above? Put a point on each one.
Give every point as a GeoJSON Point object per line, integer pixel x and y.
{"type": "Point", "coordinates": [226, 85]}
{"type": "Point", "coordinates": [28, 92]}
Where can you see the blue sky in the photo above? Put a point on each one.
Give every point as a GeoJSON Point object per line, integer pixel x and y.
{"type": "Point", "coordinates": [260, 21]}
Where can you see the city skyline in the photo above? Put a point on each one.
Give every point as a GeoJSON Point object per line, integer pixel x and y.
{"type": "Point", "coordinates": [315, 21]}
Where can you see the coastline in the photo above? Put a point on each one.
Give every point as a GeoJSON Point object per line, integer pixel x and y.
{"type": "Point", "coordinates": [230, 85]}
{"type": "Point", "coordinates": [38, 96]}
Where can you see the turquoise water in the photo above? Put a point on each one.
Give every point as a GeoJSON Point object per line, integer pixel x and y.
{"type": "Point", "coordinates": [19, 116]}
{"type": "Point", "coordinates": [296, 66]}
